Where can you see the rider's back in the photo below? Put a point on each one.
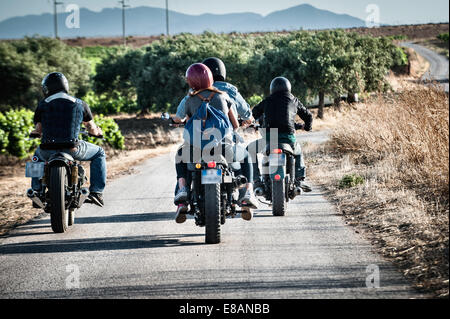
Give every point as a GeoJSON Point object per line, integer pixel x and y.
{"type": "Point", "coordinates": [61, 116]}
{"type": "Point", "coordinates": [219, 101]}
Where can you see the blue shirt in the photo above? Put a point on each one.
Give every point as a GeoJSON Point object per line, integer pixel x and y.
{"type": "Point", "coordinates": [240, 106]}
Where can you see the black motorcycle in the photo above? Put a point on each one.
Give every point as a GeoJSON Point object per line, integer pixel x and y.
{"type": "Point", "coordinates": [278, 185]}
{"type": "Point", "coordinates": [62, 191]}
{"type": "Point", "coordinates": [213, 195]}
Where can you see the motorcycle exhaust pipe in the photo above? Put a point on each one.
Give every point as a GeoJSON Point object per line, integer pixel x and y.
{"type": "Point", "coordinates": [83, 196]}
{"type": "Point", "coordinates": [240, 182]}
{"type": "Point", "coordinates": [34, 198]}
{"type": "Point", "coordinates": [298, 191]}
{"type": "Point", "coordinates": [259, 191]}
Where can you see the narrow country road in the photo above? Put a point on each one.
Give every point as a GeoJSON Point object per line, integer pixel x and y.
{"type": "Point", "coordinates": [132, 248]}
{"type": "Point", "coordinates": [439, 69]}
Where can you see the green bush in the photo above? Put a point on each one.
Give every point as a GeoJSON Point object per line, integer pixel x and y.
{"type": "Point", "coordinates": [325, 63]}
{"type": "Point", "coordinates": [15, 127]}
{"type": "Point", "coordinates": [112, 135]}
{"type": "Point", "coordinates": [24, 63]}
{"type": "Point", "coordinates": [255, 100]}
{"type": "Point", "coordinates": [443, 37]}
{"type": "Point", "coordinates": [350, 181]}
{"type": "Point", "coordinates": [107, 105]}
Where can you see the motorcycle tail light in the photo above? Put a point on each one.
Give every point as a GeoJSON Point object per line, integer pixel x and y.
{"type": "Point", "coordinates": [277, 151]}
{"type": "Point", "coordinates": [277, 177]}
{"type": "Point", "coordinates": [212, 165]}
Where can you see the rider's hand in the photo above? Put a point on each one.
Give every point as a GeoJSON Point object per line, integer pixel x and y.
{"type": "Point", "coordinates": [248, 122]}
{"type": "Point", "coordinates": [35, 133]}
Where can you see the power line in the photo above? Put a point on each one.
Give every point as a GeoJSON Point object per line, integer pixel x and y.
{"type": "Point", "coordinates": [124, 5]}
{"type": "Point", "coordinates": [55, 14]}
{"type": "Point", "coordinates": [167, 17]}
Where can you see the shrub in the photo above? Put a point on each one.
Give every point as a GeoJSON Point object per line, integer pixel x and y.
{"type": "Point", "coordinates": [24, 63]}
{"type": "Point", "coordinates": [15, 127]}
{"type": "Point", "coordinates": [112, 135]}
{"type": "Point", "coordinates": [107, 104]}
{"type": "Point", "coordinates": [443, 37]}
{"type": "Point", "coordinates": [350, 181]}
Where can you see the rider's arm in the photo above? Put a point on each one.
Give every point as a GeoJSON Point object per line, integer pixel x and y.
{"type": "Point", "coordinates": [233, 119]}
{"type": "Point", "coordinates": [305, 115]}
{"type": "Point", "coordinates": [37, 129]}
{"type": "Point", "coordinates": [92, 128]}
{"type": "Point", "coordinates": [243, 109]}
{"type": "Point", "coordinates": [88, 121]}
{"type": "Point", "coordinates": [37, 121]}
{"type": "Point", "coordinates": [181, 111]}
{"type": "Point", "coordinates": [258, 110]}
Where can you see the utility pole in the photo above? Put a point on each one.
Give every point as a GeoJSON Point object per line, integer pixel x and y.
{"type": "Point", "coordinates": [167, 17]}
{"type": "Point", "coordinates": [122, 2]}
{"type": "Point", "coordinates": [55, 14]}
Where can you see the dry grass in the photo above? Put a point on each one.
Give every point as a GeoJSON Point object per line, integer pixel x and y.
{"type": "Point", "coordinates": [400, 146]}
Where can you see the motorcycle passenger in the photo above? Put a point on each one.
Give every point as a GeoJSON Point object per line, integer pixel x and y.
{"type": "Point", "coordinates": [279, 111]}
{"type": "Point", "coordinates": [200, 80]}
{"type": "Point", "coordinates": [240, 107]}
{"type": "Point", "coordinates": [57, 120]}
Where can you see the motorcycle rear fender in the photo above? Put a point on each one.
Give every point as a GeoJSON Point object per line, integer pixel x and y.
{"type": "Point", "coordinates": [279, 170]}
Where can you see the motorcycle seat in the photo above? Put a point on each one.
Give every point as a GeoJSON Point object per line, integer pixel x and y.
{"type": "Point", "coordinates": [63, 155]}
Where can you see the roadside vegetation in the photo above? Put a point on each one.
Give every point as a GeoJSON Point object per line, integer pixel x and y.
{"type": "Point", "coordinates": [387, 169]}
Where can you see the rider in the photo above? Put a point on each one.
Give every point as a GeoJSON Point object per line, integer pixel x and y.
{"type": "Point", "coordinates": [200, 80]}
{"type": "Point", "coordinates": [57, 121]}
{"type": "Point", "coordinates": [279, 111]}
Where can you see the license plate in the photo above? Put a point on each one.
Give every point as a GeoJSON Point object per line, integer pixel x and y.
{"type": "Point", "coordinates": [277, 159]}
{"type": "Point", "coordinates": [34, 170]}
{"type": "Point", "coordinates": [212, 176]}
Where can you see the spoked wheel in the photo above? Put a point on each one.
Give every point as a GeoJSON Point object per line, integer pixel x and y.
{"type": "Point", "coordinates": [212, 213]}
{"type": "Point", "coordinates": [278, 198]}
{"type": "Point", "coordinates": [59, 215]}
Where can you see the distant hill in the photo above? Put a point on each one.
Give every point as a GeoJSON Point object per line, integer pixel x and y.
{"type": "Point", "coordinates": [146, 21]}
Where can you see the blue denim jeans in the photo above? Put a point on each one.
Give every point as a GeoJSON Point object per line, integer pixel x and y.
{"type": "Point", "coordinates": [84, 152]}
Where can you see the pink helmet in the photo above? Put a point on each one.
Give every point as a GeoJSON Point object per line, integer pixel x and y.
{"type": "Point", "coordinates": [199, 77]}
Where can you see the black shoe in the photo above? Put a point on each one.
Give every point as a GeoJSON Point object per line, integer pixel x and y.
{"type": "Point", "coordinates": [300, 182]}
{"type": "Point", "coordinates": [96, 199]}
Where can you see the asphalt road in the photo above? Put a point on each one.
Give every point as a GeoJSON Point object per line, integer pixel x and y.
{"type": "Point", "coordinates": [439, 70]}
{"type": "Point", "coordinates": [132, 248]}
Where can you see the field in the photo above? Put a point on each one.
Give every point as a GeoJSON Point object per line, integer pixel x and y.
{"type": "Point", "coordinates": [412, 32]}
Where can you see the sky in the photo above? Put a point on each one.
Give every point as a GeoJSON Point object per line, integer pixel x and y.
{"type": "Point", "coordinates": [391, 11]}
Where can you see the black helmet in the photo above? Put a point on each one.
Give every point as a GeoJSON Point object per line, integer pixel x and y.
{"type": "Point", "coordinates": [54, 83]}
{"type": "Point", "coordinates": [280, 84]}
{"type": "Point", "coordinates": [217, 68]}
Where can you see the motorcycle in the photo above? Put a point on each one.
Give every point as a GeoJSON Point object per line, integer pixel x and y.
{"type": "Point", "coordinates": [62, 192]}
{"type": "Point", "coordinates": [213, 195]}
{"type": "Point", "coordinates": [278, 185]}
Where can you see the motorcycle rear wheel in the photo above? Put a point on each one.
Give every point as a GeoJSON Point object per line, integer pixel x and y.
{"type": "Point", "coordinates": [212, 214]}
{"type": "Point", "coordinates": [278, 199]}
{"type": "Point", "coordinates": [59, 216]}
